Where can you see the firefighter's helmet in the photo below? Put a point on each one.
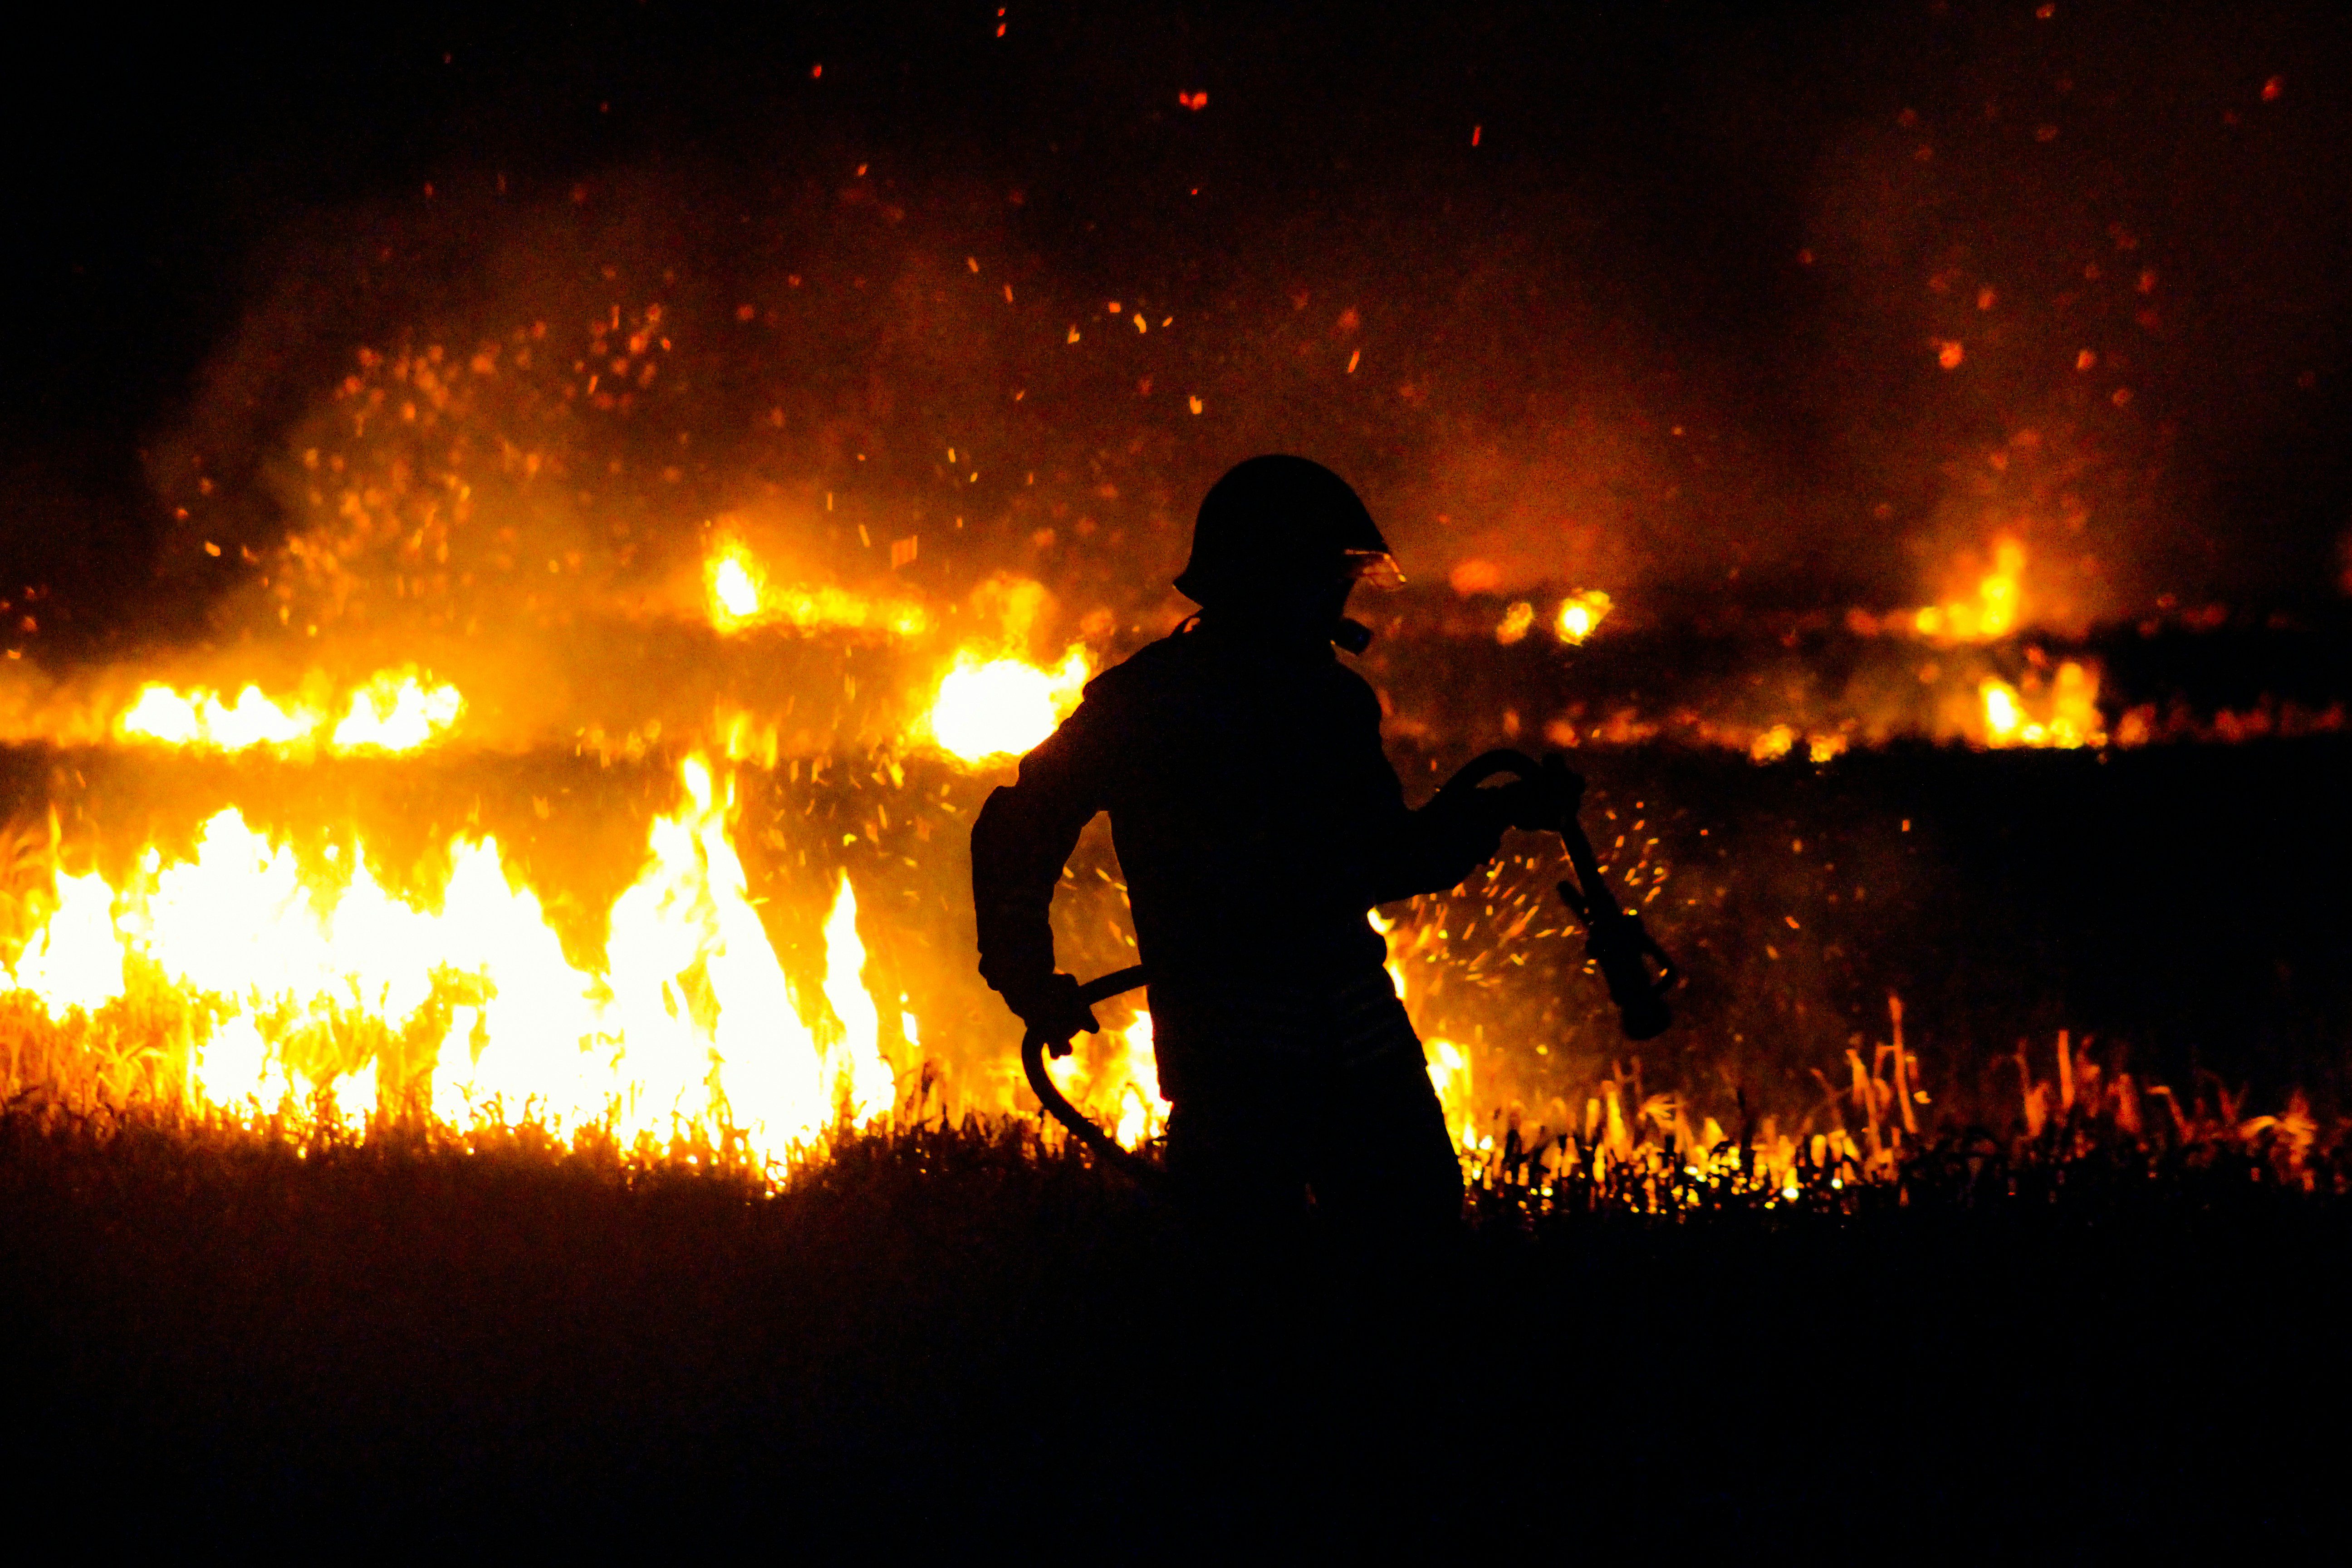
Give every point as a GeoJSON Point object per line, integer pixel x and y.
{"type": "Point", "coordinates": [1275, 523]}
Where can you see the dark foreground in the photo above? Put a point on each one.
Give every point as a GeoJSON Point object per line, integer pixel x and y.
{"type": "Point", "coordinates": [948, 1342]}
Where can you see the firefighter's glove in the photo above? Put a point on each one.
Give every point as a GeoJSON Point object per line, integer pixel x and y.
{"type": "Point", "coordinates": [1524, 804]}
{"type": "Point", "coordinates": [1055, 1012]}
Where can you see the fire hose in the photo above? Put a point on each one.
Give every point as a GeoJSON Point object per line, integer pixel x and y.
{"type": "Point", "coordinates": [1615, 940]}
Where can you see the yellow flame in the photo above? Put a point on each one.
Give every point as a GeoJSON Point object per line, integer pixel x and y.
{"type": "Point", "coordinates": [1143, 1110]}
{"type": "Point", "coordinates": [395, 710]}
{"type": "Point", "coordinates": [2004, 720]}
{"type": "Point", "coordinates": [1449, 1069]}
{"type": "Point", "coordinates": [734, 590]}
{"type": "Point", "coordinates": [861, 1079]}
{"type": "Point", "coordinates": [742, 595]}
{"type": "Point", "coordinates": [309, 977]}
{"type": "Point", "coordinates": [1995, 610]}
{"type": "Point", "coordinates": [395, 713]}
{"type": "Point", "coordinates": [1580, 614]}
{"type": "Point", "coordinates": [2068, 706]}
{"type": "Point", "coordinates": [1449, 1074]}
{"type": "Point", "coordinates": [1003, 707]}
{"type": "Point", "coordinates": [1116, 1082]}
{"type": "Point", "coordinates": [73, 961]}
{"type": "Point", "coordinates": [199, 718]}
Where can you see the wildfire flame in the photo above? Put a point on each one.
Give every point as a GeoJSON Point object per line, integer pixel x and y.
{"type": "Point", "coordinates": [1449, 1069]}
{"type": "Point", "coordinates": [741, 595]}
{"type": "Point", "coordinates": [734, 592]}
{"type": "Point", "coordinates": [1574, 621]}
{"type": "Point", "coordinates": [1994, 610]}
{"type": "Point", "coordinates": [2068, 710]}
{"type": "Point", "coordinates": [1580, 615]}
{"type": "Point", "coordinates": [396, 710]}
{"type": "Point", "coordinates": [318, 975]}
{"type": "Point", "coordinates": [1116, 1081]}
{"type": "Point", "coordinates": [1002, 706]}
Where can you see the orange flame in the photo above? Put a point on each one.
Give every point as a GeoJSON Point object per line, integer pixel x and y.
{"type": "Point", "coordinates": [994, 708]}
{"type": "Point", "coordinates": [396, 710]}
{"type": "Point", "coordinates": [322, 976]}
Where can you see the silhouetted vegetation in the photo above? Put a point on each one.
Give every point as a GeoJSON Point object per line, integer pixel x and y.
{"type": "Point", "coordinates": [944, 1335]}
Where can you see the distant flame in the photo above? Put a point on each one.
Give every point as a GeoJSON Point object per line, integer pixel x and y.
{"type": "Point", "coordinates": [742, 595]}
{"type": "Point", "coordinates": [397, 714]}
{"type": "Point", "coordinates": [1993, 612]}
{"type": "Point", "coordinates": [2003, 718]}
{"type": "Point", "coordinates": [1003, 707]}
{"type": "Point", "coordinates": [734, 589]}
{"type": "Point", "coordinates": [1580, 614]}
{"type": "Point", "coordinates": [396, 710]}
{"type": "Point", "coordinates": [2069, 712]}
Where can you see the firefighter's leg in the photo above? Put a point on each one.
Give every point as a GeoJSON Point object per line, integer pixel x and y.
{"type": "Point", "coordinates": [1237, 1151]}
{"type": "Point", "coordinates": [1382, 1162]}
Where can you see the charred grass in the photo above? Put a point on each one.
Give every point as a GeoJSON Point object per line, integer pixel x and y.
{"type": "Point", "coordinates": [961, 1339]}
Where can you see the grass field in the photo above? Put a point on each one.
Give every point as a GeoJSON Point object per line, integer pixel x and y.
{"type": "Point", "coordinates": [2093, 1303]}
{"type": "Point", "coordinates": [963, 1341]}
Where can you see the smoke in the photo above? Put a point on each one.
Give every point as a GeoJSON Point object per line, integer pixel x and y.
{"type": "Point", "coordinates": [1846, 312]}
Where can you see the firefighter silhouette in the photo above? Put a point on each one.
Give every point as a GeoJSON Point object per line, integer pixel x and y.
{"type": "Point", "coordinates": [1257, 821]}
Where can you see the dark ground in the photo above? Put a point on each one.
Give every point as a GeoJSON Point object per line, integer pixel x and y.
{"type": "Point", "coordinates": [939, 1345]}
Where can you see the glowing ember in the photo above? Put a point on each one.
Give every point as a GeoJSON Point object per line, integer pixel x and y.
{"type": "Point", "coordinates": [1516, 622]}
{"type": "Point", "coordinates": [1003, 707]}
{"type": "Point", "coordinates": [1580, 614]}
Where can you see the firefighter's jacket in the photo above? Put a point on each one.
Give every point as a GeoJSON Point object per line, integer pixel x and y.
{"type": "Point", "coordinates": [1257, 821]}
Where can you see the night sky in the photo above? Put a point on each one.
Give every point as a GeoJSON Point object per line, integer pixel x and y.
{"type": "Point", "coordinates": [1793, 305]}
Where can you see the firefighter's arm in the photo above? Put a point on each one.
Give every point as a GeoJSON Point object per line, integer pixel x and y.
{"type": "Point", "coordinates": [1433, 849]}
{"type": "Point", "coordinates": [1025, 834]}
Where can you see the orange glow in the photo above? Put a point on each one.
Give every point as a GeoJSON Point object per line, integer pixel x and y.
{"type": "Point", "coordinates": [396, 710]}
{"type": "Point", "coordinates": [1994, 609]}
{"type": "Point", "coordinates": [299, 976]}
{"type": "Point", "coordinates": [1115, 1081]}
{"type": "Point", "coordinates": [1580, 614]}
{"type": "Point", "coordinates": [734, 592]}
{"type": "Point", "coordinates": [740, 595]}
{"type": "Point", "coordinates": [2064, 713]}
{"type": "Point", "coordinates": [1449, 1069]}
{"type": "Point", "coordinates": [996, 707]}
